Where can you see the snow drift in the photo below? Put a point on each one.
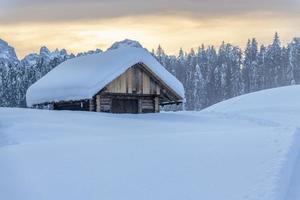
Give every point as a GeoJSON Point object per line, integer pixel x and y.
{"type": "Point", "coordinates": [243, 148]}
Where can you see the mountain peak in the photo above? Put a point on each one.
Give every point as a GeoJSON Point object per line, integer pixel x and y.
{"type": "Point", "coordinates": [3, 43]}
{"type": "Point", "coordinates": [125, 43]}
{"type": "Point", "coordinates": [44, 50]}
{"type": "Point", "coordinates": [6, 51]}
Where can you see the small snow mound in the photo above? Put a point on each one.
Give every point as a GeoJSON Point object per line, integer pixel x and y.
{"type": "Point", "coordinates": [276, 98]}
{"type": "Point", "coordinates": [125, 43]}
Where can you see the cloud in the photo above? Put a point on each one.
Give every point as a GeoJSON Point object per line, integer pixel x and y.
{"type": "Point", "coordinates": [18, 11]}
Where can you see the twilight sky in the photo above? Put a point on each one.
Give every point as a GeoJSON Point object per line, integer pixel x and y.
{"type": "Point", "coordinates": [80, 25]}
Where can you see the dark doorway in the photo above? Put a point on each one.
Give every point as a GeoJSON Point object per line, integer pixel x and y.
{"type": "Point", "coordinates": [124, 106]}
{"type": "Point", "coordinates": [72, 105]}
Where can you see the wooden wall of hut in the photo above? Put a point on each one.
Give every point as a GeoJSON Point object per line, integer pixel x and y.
{"type": "Point", "coordinates": [125, 103]}
{"type": "Point", "coordinates": [134, 81]}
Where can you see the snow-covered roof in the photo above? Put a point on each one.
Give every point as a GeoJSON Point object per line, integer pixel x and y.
{"type": "Point", "coordinates": [82, 77]}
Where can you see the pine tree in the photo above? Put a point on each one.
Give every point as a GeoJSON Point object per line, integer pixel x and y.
{"type": "Point", "coordinates": [211, 82]}
{"type": "Point", "coordinates": [261, 69]}
{"type": "Point", "coordinates": [247, 67]}
{"type": "Point", "coordinates": [189, 80]}
{"type": "Point", "coordinates": [249, 70]}
{"type": "Point", "coordinates": [229, 62]}
{"type": "Point", "coordinates": [287, 71]}
{"type": "Point", "coordinates": [274, 70]}
{"type": "Point", "coordinates": [199, 93]}
{"type": "Point", "coordinates": [180, 67]}
{"type": "Point", "coordinates": [294, 60]}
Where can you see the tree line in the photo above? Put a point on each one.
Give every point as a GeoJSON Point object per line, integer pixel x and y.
{"type": "Point", "coordinates": [209, 74]}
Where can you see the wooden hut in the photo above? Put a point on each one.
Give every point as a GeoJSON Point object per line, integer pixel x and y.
{"type": "Point", "coordinates": [126, 80]}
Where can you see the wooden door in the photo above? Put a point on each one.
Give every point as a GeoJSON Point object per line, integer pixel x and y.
{"type": "Point", "coordinates": [124, 106]}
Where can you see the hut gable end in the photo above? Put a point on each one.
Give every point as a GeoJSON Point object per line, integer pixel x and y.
{"type": "Point", "coordinates": [135, 80]}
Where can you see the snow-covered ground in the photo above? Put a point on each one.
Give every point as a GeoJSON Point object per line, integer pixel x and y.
{"type": "Point", "coordinates": [244, 148]}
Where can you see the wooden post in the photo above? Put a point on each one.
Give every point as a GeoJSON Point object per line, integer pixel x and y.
{"type": "Point", "coordinates": [129, 80]}
{"type": "Point", "coordinates": [91, 103]}
{"type": "Point", "coordinates": [157, 90]}
{"type": "Point", "coordinates": [156, 104]}
{"type": "Point", "coordinates": [98, 106]}
{"type": "Point", "coordinates": [140, 109]}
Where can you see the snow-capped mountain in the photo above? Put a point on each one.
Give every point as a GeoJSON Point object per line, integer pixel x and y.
{"type": "Point", "coordinates": [125, 43]}
{"type": "Point", "coordinates": [45, 56]}
{"type": "Point", "coordinates": [6, 51]}
{"type": "Point", "coordinates": [56, 54]}
{"type": "Point", "coordinates": [89, 52]}
{"type": "Point", "coordinates": [8, 55]}
{"type": "Point", "coordinates": [37, 65]}
{"type": "Point", "coordinates": [30, 60]}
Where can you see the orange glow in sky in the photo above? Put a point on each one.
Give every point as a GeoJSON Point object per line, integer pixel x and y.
{"type": "Point", "coordinates": [170, 31]}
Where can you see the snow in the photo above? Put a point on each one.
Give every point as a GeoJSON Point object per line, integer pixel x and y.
{"type": "Point", "coordinates": [45, 53]}
{"type": "Point", "coordinates": [283, 97]}
{"type": "Point", "coordinates": [125, 43]}
{"type": "Point", "coordinates": [294, 189]}
{"type": "Point", "coordinates": [30, 60]}
{"type": "Point", "coordinates": [244, 148]}
{"type": "Point", "coordinates": [82, 77]}
{"type": "Point", "coordinates": [7, 52]}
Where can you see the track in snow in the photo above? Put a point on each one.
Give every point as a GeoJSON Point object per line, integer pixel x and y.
{"type": "Point", "coordinates": [294, 190]}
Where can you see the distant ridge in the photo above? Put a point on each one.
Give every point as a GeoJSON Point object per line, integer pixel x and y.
{"type": "Point", "coordinates": [125, 43]}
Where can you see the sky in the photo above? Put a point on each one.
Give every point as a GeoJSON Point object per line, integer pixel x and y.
{"type": "Point", "coordinates": [81, 25]}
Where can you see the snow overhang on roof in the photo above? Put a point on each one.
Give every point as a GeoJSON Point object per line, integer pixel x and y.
{"type": "Point", "coordinates": [82, 77]}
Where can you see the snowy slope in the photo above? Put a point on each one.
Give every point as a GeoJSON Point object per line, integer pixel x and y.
{"type": "Point", "coordinates": [243, 148]}
{"type": "Point", "coordinates": [280, 107]}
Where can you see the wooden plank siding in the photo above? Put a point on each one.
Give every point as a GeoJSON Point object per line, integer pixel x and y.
{"type": "Point", "coordinates": [105, 104]}
{"type": "Point", "coordinates": [146, 84]}
{"type": "Point", "coordinates": [135, 81]}
{"type": "Point", "coordinates": [92, 104]}
{"type": "Point", "coordinates": [129, 78]}
{"type": "Point", "coordinates": [98, 109]}
{"type": "Point", "coordinates": [156, 105]}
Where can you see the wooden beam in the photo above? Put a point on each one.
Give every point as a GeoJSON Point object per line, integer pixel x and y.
{"type": "Point", "coordinates": [98, 106]}
{"type": "Point", "coordinates": [128, 95]}
{"type": "Point", "coordinates": [92, 104]}
{"type": "Point", "coordinates": [156, 104]}
{"type": "Point", "coordinates": [171, 102]}
{"type": "Point", "coordinates": [148, 70]}
{"type": "Point", "coordinates": [140, 109]}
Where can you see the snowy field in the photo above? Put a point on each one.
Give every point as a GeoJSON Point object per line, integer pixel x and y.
{"type": "Point", "coordinates": [244, 148]}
